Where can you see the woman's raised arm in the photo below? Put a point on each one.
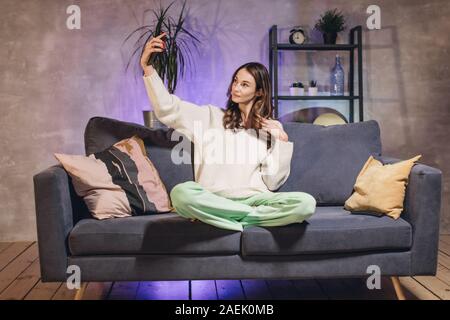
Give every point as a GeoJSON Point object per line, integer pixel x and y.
{"type": "Point", "coordinates": [170, 109]}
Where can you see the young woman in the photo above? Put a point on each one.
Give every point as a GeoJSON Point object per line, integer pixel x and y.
{"type": "Point", "coordinates": [231, 194]}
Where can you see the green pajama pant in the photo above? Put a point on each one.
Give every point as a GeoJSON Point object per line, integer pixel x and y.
{"type": "Point", "coordinates": [268, 209]}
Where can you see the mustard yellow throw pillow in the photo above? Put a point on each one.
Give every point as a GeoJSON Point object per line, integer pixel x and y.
{"type": "Point", "coordinates": [381, 188]}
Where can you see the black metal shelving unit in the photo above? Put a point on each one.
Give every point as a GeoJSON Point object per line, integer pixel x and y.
{"type": "Point", "coordinates": [355, 44]}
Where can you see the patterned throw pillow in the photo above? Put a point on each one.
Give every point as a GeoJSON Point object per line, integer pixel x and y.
{"type": "Point", "coordinates": [120, 181]}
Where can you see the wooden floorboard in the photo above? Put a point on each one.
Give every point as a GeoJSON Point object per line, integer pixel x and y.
{"type": "Point", "coordinates": [256, 290]}
{"type": "Point", "coordinates": [20, 279]}
{"type": "Point", "coordinates": [163, 290]}
{"type": "Point", "coordinates": [309, 289]}
{"type": "Point", "coordinates": [203, 290]}
{"type": "Point", "coordinates": [230, 290]}
{"type": "Point", "coordinates": [435, 285]}
{"type": "Point", "coordinates": [282, 289]}
{"type": "Point", "coordinates": [97, 290]}
{"type": "Point", "coordinates": [335, 289]}
{"type": "Point", "coordinates": [443, 274]}
{"type": "Point", "coordinates": [444, 247]}
{"type": "Point", "coordinates": [124, 290]}
{"type": "Point", "coordinates": [444, 259]}
{"type": "Point", "coordinates": [64, 293]}
{"type": "Point", "coordinates": [439, 285]}
{"type": "Point", "coordinates": [11, 252]}
{"type": "Point", "coordinates": [43, 291]}
{"type": "Point", "coordinates": [21, 262]}
{"type": "Point", "coordinates": [414, 290]}
{"type": "Point", "coordinates": [23, 284]}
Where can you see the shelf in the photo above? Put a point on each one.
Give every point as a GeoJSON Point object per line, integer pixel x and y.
{"type": "Point", "coordinates": [317, 97]}
{"type": "Point", "coordinates": [355, 93]}
{"type": "Point", "coordinates": [317, 47]}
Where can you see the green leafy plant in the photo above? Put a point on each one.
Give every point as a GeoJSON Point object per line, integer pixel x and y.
{"type": "Point", "coordinates": [332, 21]}
{"type": "Point", "coordinates": [179, 42]}
{"type": "Point", "coordinates": [297, 85]}
{"type": "Point", "coordinates": [313, 84]}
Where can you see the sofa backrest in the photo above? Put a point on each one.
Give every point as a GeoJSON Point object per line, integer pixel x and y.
{"type": "Point", "coordinates": [327, 159]}
{"type": "Point", "coordinates": [325, 163]}
{"type": "Point", "coordinates": [102, 133]}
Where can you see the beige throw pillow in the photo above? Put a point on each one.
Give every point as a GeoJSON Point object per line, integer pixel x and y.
{"type": "Point", "coordinates": [381, 188]}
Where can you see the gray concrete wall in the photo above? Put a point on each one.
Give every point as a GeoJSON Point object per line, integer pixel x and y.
{"type": "Point", "coordinates": [54, 79]}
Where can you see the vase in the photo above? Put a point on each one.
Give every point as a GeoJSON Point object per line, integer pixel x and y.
{"type": "Point", "coordinates": [337, 78]}
{"type": "Point", "coordinates": [329, 38]}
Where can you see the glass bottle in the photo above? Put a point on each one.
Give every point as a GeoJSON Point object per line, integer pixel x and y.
{"type": "Point", "coordinates": [337, 78]}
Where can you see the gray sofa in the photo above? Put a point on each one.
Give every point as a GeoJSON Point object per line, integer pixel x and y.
{"type": "Point", "coordinates": [332, 243]}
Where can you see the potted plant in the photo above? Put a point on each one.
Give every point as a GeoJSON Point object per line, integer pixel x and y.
{"type": "Point", "coordinates": [330, 24]}
{"type": "Point", "coordinates": [179, 41]}
{"type": "Point", "coordinates": [297, 89]}
{"type": "Point", "coordinates": [312, 90]}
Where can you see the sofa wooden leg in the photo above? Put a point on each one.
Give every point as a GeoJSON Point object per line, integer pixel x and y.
{"type": "Point", "coordinates": [80, 292]}
{"type": "Point", "coordinates": [398, 288]}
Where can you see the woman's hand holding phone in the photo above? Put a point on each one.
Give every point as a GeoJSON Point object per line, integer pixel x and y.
{"type": "Point", "coordinates": [156, 44]}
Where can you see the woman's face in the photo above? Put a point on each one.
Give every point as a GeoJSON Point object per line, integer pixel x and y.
{"type": "Point", "coordinates": [243, 88]}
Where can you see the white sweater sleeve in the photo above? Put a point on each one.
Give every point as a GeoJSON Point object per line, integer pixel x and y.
{"type": "Point", "coordinates": [174, 112]}
{"type": "Point", "coordinates": [276, 166]}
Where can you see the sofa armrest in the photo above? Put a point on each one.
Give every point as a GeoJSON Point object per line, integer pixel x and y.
{"type": "Point", "coordinates": [54, 220]}
{"type": "Point", "coordinates": [422, 207]}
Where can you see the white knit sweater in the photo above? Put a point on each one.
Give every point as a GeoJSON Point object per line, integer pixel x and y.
{"type": "Point", "coordinates": [229, 163]}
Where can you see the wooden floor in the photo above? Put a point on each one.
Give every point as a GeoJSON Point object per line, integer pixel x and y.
{"type": "Point", "coordinates": [19, 279]}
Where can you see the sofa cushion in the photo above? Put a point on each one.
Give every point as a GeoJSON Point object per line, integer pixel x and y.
{"type": "Point", "coordinates": [327, 159]}
{"type": "Point", "coordinates": [166, 233]}
{"type": "Point", "coordinates": [329, 230]}
{"type": "Point", "coordinates": [119, 181]}
{"type": "Point", "coordinates": [101, 133]}
{"type": "Point", "coordinates": [381, 188]}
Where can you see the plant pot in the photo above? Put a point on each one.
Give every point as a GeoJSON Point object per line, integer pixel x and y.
{"type": "Point", "coordinates": [312, 91]}
{"type": "Point", "coordinates": [296, 91]}
{"type": "Point", "coordinates": [329, 38]}
{"type": "Point", "coordinates": [150, 120]}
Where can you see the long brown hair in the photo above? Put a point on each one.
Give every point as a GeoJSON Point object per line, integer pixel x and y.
{"type": "Point", "coordinates": [262, 107]}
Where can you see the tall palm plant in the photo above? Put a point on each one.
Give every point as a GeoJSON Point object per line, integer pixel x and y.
{"type": "Point", "coordinates": [179, 41]}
